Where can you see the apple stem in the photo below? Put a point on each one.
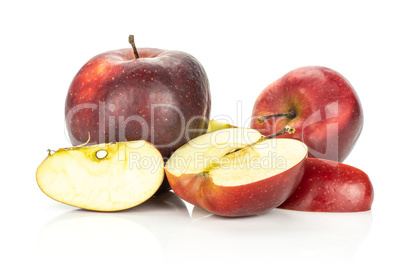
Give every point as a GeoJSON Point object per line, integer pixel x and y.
{"type": "Point", "coordinates": [291, 114]}
{"type": "Point", "coordinates": [287, 129]}
{"type": "Point", "coordinates": [131, 41]}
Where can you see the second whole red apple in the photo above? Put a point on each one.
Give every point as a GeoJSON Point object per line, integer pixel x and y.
{"type": "Point", "coordinates": [319, 103]}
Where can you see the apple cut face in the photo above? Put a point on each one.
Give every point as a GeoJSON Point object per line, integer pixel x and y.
{"type": "Point", "coordinates": [235, 172]}
{"type": "Point", "coordinates": [105, 177]}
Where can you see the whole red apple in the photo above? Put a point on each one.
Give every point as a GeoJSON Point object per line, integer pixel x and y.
{"type": "Point", "coordinates": [150, 94]}
{"type": "Point", "coordinates": [319, 103]}
{"type": "Point", "coordinates": [328, 186]}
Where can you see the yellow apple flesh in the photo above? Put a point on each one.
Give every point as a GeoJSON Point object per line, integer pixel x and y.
{"type": "Point", "coordinates": [215, 125]}
{"type": "Point", "coordinates": [105, 177]}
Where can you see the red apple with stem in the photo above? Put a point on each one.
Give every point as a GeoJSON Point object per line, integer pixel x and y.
{"type": "Point", "coordinates": [319, 103]}
{"type": "Point", "coordinates": [328, 186]}
{"type": "Point", "coordinates": [150, 94]}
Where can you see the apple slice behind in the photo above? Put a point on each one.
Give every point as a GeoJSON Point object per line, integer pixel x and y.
{"type": "Point", "coordinates": [215, 125]}
{"type": "Point", "coordinates": [236, 171]}
{"type": "Point", "coordinates": [105, 177]}
{"type": "Point", "coordinates": [329, 186]}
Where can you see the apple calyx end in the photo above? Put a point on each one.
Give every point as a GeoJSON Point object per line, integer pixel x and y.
{"type": "Point", "coordinates": [204, 174]}
{"type": "Point", "coordinates": [286, 129]}
{"type": "Point", "coordinates": [290, 130]}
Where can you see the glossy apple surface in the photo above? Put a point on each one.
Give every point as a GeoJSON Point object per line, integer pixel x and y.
{"type": "Point", "coordinates": [327, 113]}
{"type": "Point", "coordinates": [104, 177]}
{"type": "Point", "coordinates": [229, 173]}
{"type": "Point", "coordinates": [328, 186]}
{"type": "Point", "coordinates": [162, 97]}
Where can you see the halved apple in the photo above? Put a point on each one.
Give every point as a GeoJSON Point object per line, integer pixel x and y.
{"type": "Point", "coordinates": [236, 171]}
{"type": "Point", "coordinates": [105, 177]}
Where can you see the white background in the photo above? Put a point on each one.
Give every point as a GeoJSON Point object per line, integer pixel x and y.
{"type": "Point", "coordinates": [244, 46]}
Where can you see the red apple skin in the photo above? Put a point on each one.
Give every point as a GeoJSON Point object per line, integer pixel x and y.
{"type": "Point", "coordinates": [328, 186]}
{"type": "Point", "coordinates": [237, 201]}
{"type": "Point", "coordinates": [329, 116]}
{"type": "Point", "coordinates": [162, 97]}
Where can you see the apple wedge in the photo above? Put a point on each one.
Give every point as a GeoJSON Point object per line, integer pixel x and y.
{"type": "Point", "coordinates": [105, 177]}
{"type": "Point", "coordinates": [215, 125]}
{"type": "Point", "coordinates": [329, 186]}
{"type": "Point", "coordinates": [236, 171]}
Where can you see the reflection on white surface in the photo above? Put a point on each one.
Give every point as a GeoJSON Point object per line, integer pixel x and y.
{"type": "Point", "coordinates": [283, 236]}
{"type": "Point", "coordinates": [137, 232]}
{"type": "Point", "coordinates": [163, 229]}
